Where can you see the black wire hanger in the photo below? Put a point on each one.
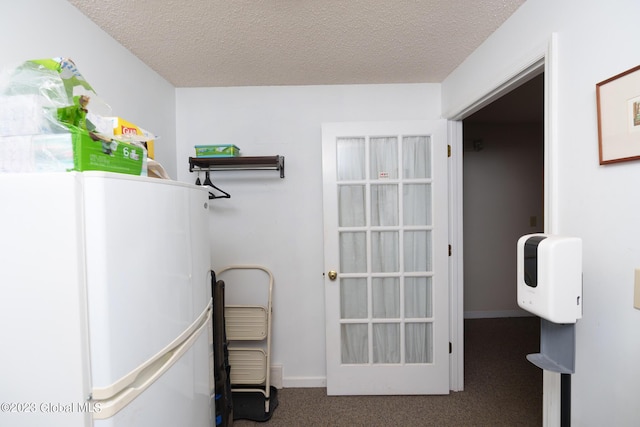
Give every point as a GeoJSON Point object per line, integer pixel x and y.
{"type": "Point", "coordinates": [207, 181]}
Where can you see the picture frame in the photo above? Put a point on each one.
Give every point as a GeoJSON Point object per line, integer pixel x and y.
{"type": "Point", "coordinates": [618, 102]}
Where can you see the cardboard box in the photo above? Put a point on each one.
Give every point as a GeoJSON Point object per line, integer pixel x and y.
{"type": "Point", "coordinates": [125, 128]}
{"type": "Point", "coordinates": [74, 150]}
{"type": "Point", "coordinates": [95, 152]}
{"type": "Point", "coordinates": [224, 150]}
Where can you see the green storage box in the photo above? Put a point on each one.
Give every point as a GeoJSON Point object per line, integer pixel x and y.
{"type": "Point", "coordinates": [225, 150]}
{"type": "Point", "coordinates": [93, 153]}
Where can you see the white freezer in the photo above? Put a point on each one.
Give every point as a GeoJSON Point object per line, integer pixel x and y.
{"type": "Point", "coordinates": [180, 397]}
{"type": "Point", "coordinates": [100, 276]}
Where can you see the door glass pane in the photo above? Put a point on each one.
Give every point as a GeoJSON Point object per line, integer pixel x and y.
{"type": "Point", "coordinates": [386, 343]}
{"type": "Point", "coordinates": [417, 204]}
{"type": "Point", "coordinates": [351, 205]}
{"type": "Point", "coordinates": [417, 251]}
{"type": "Point", "coordinates": [384, 204]}
{"type": "Point", "coordinates": [417, 297]}
{"type": "Point", "coordinates": [354, 343]}
{"type": "Point", "coordinates": [385, 294]}
{"type": "Point", "coordinates": [351, 159]}
{"type": "Point", "coordinates": [353, 254]}
{"type": "Point", "coordinates": [384, 158]}
{"type": "Point", "coordinates": [419, 342]}
{"type": "Point", "coordinates": [353, 298]}
{"type": "Point", "coordinates": [384, 252]}
{"type": "Point", "coordinates": [416, 157]}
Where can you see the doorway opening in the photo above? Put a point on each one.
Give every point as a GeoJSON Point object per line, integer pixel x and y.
{"type": "Point", "coordinates": [503, 193]}
{"type": "Point", "coordinates": [503, 199]}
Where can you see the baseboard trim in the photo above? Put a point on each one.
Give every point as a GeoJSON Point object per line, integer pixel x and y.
{"type": "Point", "coordinates": [304, 382]}
{"type": "Point", "coordinates": [495, 314]}
{"type": "Point", "coordinates": [276, 376]}
{"type": "Point", "coordinates": [313, 382]}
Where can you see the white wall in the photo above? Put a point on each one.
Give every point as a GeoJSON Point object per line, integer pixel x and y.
{"type": "Point", "coordinates": [600, 204]}
{"type": "Point", "coordinates": [278, 222]}
{"type": "Point", "coordinates": [34, 29]}
{"type": "Point", "coordinates": [503, 188]}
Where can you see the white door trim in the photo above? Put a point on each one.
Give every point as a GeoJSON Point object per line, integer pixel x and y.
{"type": "Point", "coordinates": [544, 58]}
{"type": "Point", "coordinates": [456, 264]}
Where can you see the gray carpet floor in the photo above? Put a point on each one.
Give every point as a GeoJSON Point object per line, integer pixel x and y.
{"type": "Point", "coordinates": [501, 389]}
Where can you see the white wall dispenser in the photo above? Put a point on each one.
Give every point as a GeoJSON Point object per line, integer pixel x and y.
{"type": "Point", "coordinates": [550, 277]}
{"type": "Point", "coordinates": [549, 282]}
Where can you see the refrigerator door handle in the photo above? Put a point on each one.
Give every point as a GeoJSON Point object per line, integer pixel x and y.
{"type": "Point", "coordinates": [131, 385]}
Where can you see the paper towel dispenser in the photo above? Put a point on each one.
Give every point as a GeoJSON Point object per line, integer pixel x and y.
{"type": "Point", "coordinates": [550, 276]}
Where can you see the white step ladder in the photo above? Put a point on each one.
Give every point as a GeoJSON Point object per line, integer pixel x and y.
{"type": "Point", "coordinates": [248, 329]}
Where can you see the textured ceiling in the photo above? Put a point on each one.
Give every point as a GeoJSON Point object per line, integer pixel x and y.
{"type": "Point", "coordinates": [208, 43]}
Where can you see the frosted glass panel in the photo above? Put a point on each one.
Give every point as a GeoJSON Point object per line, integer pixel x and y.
{"type": "Point", "coordinates": [418, 297]}
{"type": "Point", "coordinates": [351, 159]}
{"type": "Point", "coordinates": [417, 251]}
{"type": "Point", "coordinates": [417, 204]}
{"type": "Point", "coordinates": [384, 158]}
{"type": "Point", "coordinates": [354, 343]}
{"type": "Point", "coordinates": [353, 298]}
{"type": "Point", "coordinates": [353, 254]}
{"type": "Point", "coordinates": [351, 205]}
{"type": "Point", "coordinates": [384, 204]}
{"type": "Point", "coordinates": [416, 157]}
{"type": "Point", "coordinates": [384, 252]}
{"type": "Point", "coordinates": [386, 343]}
{"type": "Point", "coordinates": [386, 297]}
{"type": "Point", "coordinates": [419, 343]}
{"type": "Point", "coordinates": [385, 197]}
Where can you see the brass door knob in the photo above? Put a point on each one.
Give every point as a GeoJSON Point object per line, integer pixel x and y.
{"type": "Point", "coordinates": [333, 275]}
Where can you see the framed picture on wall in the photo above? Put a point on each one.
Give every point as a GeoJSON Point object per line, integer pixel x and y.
{"type": "Point", "coordinates": [618, 101]}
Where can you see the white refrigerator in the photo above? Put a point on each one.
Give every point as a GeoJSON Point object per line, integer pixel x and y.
{"type": "Point", "coordinates": [105, 302]}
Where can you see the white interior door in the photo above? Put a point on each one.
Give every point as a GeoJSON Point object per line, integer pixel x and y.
{"type": "Point", "coordinates": [386, 249]}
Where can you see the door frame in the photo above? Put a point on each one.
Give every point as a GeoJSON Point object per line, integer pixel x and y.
{"type": "Point", "coordinates": [545, 58]}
